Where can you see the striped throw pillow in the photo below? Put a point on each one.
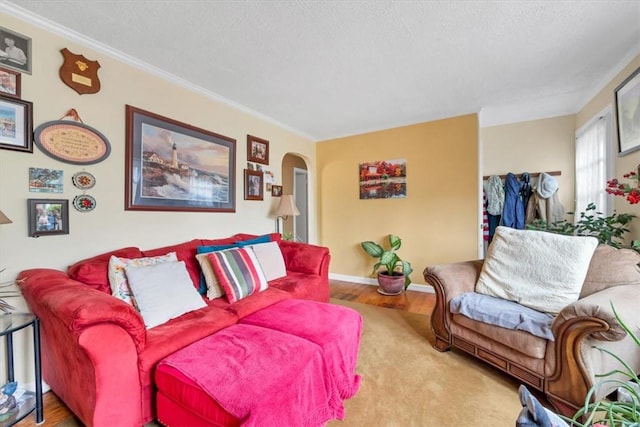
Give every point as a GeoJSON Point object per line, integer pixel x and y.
{"type": "Point", "coordinates": [239, 272]}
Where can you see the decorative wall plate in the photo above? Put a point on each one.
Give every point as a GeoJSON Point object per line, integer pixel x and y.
{"type": "Point", "coordinates": [72, 142]}
{"type": "Point", "coordinates": [84, 203]}
{"type": "Point", "coordinates": [83, 180]}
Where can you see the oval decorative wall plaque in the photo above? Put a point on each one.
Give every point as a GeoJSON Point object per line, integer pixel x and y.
{"type": "Point", "coordinates": [72, 142]}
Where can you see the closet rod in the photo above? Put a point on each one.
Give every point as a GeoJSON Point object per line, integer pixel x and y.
{"type": "Point", "coordinates": [532, 175]}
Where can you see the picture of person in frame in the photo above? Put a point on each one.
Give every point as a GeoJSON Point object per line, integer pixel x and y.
{"type": "Point", "coordinates": [254, 185]}
{"type": "Point", "coordinates": [8, 83]}
{"type": "Point", "coordinates": [15, 51]}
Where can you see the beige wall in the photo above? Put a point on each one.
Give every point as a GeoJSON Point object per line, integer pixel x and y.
{"type": "Point", "coordinates": [533, 146]}
{"type": "Point", "coordinates": [109, 226]}
{"type": "Point", "coordinates": [626, 163]}
{"type": "Point", "coordinates": [437, 221]}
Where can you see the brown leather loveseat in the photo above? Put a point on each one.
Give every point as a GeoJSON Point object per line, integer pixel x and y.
{"type": "Point", "coordinates": [563, 368]}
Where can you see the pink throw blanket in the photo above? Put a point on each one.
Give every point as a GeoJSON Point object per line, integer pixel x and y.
{"type": "Point", "coordinates": [262, 377]}
{"type": "Point", "coordinates": [336, 329]}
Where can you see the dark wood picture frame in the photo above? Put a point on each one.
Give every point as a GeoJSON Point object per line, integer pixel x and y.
{"type": "Point", "coordinates": [253, 185]}
{"type": "Point", "coordinates": [276, 190]}
{"type": "Point", "coordinates": [173, 166]}
{"type": "Point", "coordinates": [17, 119]}
{"type": "Point", "coordinates": [627, 99]}
{"type": "Point", "coordinates": [48, 217]}
{"type": "Point", "coordinates": [10, 83]}
{"type": "Point", "coordinates": [257, 150]}
{"type": "Point", "coordinates": [20, 43]}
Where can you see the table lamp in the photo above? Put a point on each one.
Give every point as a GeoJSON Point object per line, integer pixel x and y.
{"type": "Point", "coordinates": [4, 219]}
{"type": "Point", "coordinates": [286, 208]}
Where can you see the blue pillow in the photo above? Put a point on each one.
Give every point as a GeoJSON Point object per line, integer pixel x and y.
{"type": "Point", "coordinates": [202, 289]}
{"type": "Point", "coordinates": [261, 239]}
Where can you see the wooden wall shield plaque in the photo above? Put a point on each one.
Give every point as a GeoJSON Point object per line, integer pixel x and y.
{"type": "Point", "coordinates": [72, 142]}
{"type": "Point", "coordinates": [79, 73]}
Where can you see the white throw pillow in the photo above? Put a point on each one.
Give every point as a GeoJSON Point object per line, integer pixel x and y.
{"type": "Point", "coordinates": [163, 291]}
{"type": "Point", "coordinates": [270, 258]}
{"type": "Point", "coordinates": [118, 279]}
{"type": "Point", "coordinates": [540, 270]}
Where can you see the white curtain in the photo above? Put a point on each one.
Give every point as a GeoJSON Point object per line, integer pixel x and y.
{"type": "Point", "coordinates": [593, 159]}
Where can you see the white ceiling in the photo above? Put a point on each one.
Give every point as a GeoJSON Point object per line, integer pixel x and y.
{"type": "Point", "coordinates": [334, 68]}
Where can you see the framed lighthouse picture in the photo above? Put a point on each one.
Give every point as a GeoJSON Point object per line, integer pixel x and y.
{"type": "Point", "coordinates": [173, 166]}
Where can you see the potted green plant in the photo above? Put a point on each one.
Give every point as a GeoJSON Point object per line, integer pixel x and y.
{"type": "Point", "coordinates": [609, 230]}
{"type": "Point", "coordinates": [392, 272]}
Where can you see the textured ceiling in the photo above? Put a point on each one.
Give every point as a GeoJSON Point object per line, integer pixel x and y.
{"type": "Point", "coordinates": [334, 68]}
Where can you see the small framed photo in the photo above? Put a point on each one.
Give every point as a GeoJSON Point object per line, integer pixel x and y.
{"type": "Point", "coordinates": [276, 190]}
{"type": "Point", "coordinates": [253, 185]}
{"type": "Point", "coordinates": [257, 150]}
{"type": "Point", "coordinates": [16, 124]}
{"type": "Point", "coordinates": [46, 180]}
{"type": "Point", "coordinates": [10, 82]}
{"type": "Point", "coordinates": [48, 217]}
{"type": "Point", "coordinates": [627, 97]}
{"type": "Point", "coordinates": [15, 51]}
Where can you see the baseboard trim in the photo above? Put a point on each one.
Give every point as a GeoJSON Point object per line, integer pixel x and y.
{"type": "Point", "coordinates": [373, 282]}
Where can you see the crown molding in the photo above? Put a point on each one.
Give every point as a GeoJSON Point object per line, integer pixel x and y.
{"type": "Point", "coordinates": [69, 34]}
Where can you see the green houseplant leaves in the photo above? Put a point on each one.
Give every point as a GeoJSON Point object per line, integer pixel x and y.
{"type": "Point", "coordinates": [388, 259]}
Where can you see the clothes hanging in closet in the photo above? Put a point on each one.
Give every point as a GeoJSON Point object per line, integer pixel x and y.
{"type": "Point", "coordinates": [544, 202]}
{"type": "Point", "coordinates": [495, 203]}
{"type": "Point", "coordinates": [513, 214]}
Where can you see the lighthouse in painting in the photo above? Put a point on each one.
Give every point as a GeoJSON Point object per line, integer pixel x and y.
{"type": "Point", "coordinates": [166, 135]}
{"type": "Point", "coordinates": [174, 153]}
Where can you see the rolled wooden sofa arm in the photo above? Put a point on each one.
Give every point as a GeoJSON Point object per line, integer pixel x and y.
{"type": "Point", "coordinates": [581, 330]}
{"type": "Point", "coordinates": [449, 280]}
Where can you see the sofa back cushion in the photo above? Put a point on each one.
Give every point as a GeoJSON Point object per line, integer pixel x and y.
{"type": "Point", "coordinates": [94, 271]}
{"type": "Point", "coordinates": [537, 269]}
{"type": "Point", "coordinates": [611, 267]}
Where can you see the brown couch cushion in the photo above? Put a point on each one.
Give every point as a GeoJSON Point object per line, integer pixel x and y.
{"type": "Point", "coordinates": [611, 267]}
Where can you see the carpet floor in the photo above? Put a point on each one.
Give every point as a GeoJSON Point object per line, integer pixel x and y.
{"type": "Point", "coordinates": [407, 383]}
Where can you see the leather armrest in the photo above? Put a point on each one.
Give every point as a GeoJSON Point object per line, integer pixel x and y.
{"type": "Point", "coordinates": [625, 299]}
{"type": "Point", "coordinates": [454, 278]}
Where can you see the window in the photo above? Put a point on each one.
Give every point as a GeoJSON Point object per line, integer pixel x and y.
{"type": "Point", "coordinates": [594, 163]}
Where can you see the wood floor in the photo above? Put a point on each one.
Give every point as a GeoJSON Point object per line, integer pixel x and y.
{"type": "Point", "coordinates": [417, 302]}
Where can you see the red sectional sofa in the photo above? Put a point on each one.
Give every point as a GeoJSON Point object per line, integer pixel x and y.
{"type": "Point", "coordinates": [97, 355]}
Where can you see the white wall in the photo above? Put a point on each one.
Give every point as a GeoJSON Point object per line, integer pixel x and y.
{"type": "Point", "coordinates": [109, 226]}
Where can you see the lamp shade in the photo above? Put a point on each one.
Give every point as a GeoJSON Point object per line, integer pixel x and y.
{"type": "Point", "coordinates": [4, 219]}
{"type": "Point", "coordinates": [287, 206]}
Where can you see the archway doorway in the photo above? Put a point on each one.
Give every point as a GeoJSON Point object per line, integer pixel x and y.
{"type": "Point", "coordinates": [295, 181]}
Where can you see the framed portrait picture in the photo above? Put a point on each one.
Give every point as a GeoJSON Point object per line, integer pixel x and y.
{"type": "Point", "coordinates": [253, 185]}
{"type": "Point", "coordinates": [257, 150]}
{"type": "Point", "coordinates": [173, 166]}
{"type": "Point", "coordinates": [15, 51]}
{"type": "Point", "coordinates": [276, 190]}
{"type": "Point", "coordinates": [48, 217]}
{"type": "Point", "coordinates": [627, 97]}
{"type": "Point", "coordinates": [10, 82]}
{"type": "Point", "coordinates": [16, 124]}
